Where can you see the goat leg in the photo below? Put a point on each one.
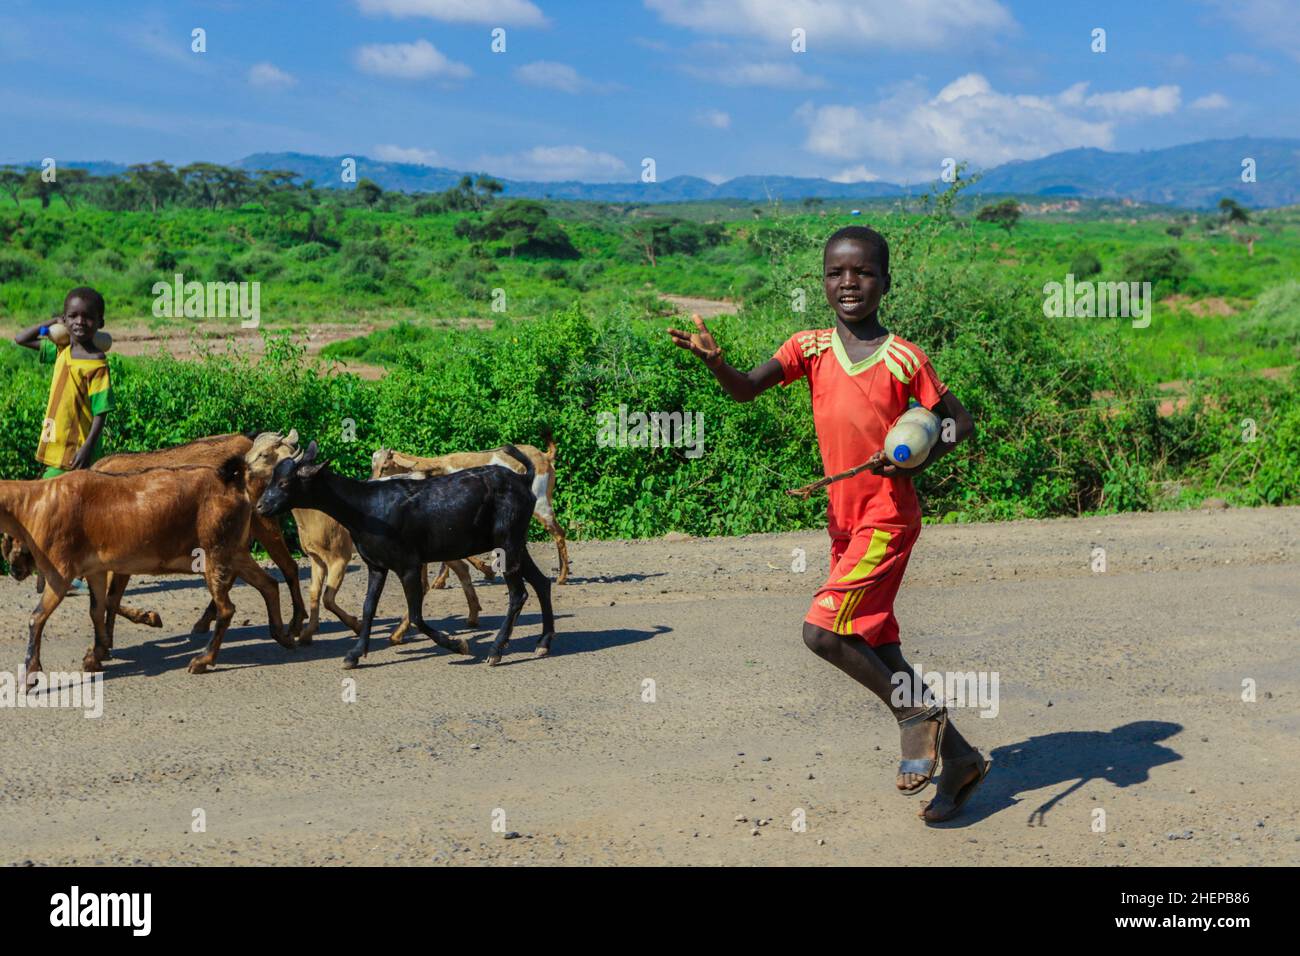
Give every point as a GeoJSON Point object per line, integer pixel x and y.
{"type": "Point", "coordinates": [374, 588]}
{"type": "Point", "coordinates": [268, 533]}
{"type": "Point", "coordinates": [412, 584]}
{"type": "Point", "coordinates": [518, 595]}
{"type": "Point", "coordinates": [542, 586]}
{"type": "Point", "coordinates": [399, 633]}
{"type": "Point", "coordinates": [55, 587]}
{"type": "Point", "coordinates": [219, 581]}
{"type": "Point", "coordinates": [252, 572]}
{"type": "Point", "coordinates": [471, 596]}
{"type": "Point", "coordinates": [97, 583]}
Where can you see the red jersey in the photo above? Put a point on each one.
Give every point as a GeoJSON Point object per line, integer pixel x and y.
{"type": "Point", "coordinates": [854, 405]}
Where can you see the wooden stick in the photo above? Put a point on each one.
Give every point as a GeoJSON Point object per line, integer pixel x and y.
{"type": "Point", "coordinates": [806, 491]}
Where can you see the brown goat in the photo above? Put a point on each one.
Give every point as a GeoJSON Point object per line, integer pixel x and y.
{"type": "Point", "coordinates": [388, 463]}
{"type": "Point", "coordinates": [212, 452]}
{"type": "Point", "coordinates": [88, 523]}
{"type": "Point", "coordinates": [329, 545]}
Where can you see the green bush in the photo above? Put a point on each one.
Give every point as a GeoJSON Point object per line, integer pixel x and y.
{"type": "Point", "coordinates": [1165, 268]}
{"type": "Point", "coordinates": [1085, 264]}
{"type": "Point", "coordinates": [15, 266]}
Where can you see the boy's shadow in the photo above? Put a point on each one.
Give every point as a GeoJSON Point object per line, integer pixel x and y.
{"type": "Point", "coordinates": [1123, 756]}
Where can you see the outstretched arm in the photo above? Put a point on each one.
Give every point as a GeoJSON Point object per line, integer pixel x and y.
{"type": "Point", "coordinates": [742, 386]}
{"type": "Point", "coordinates": [30, 338]}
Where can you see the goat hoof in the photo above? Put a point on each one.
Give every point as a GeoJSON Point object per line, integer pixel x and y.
{"type": "Point", "coordinates": [33, 675]}
{"type": "Point", "coordinates": [350, 663]}
{"type": "Point", "coordinates": [304, 640]}
{"type": "Point", "coordinates": [90, 664]}
{"type": "Point", "coordinates": [395, 639]}
{"type": "Point", "coordinates": [494, 660]}
{"type": "Point", "coordinates": [151, 619]}
{"type": "Point", "coordinates": [198, 666]}
{"type": "Point", "coordinates": [541, 651]}
{"type": "Point", "coordinates": [464, 646]}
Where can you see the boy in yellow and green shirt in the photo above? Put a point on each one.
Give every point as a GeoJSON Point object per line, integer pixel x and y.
{"type": "Point", "coordinates": [81, 394]}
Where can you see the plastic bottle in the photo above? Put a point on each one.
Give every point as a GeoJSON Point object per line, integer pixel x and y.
{"type": "Point", "coordinates": [908, 443]}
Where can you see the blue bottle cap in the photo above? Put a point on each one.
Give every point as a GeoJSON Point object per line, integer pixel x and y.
{"type": "Point", "coordinates": [902, 453]}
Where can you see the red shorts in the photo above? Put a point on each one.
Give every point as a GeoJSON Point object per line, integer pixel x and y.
{"type": "Point", "coordinates": [858, 597]}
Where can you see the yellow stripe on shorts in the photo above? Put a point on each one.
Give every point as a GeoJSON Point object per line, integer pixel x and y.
{"type": "Point", "coordinates": [875, 554]}
{"type": "Point", "coordinates": [844, 620]}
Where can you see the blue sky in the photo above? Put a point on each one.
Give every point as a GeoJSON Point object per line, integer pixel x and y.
{"type": "Point", "coordinates": [886, 89]}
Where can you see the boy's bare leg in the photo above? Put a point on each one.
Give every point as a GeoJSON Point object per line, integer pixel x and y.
{"type": "Point", "coordinates": [870, 668]}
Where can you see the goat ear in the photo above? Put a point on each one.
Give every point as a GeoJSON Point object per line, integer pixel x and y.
{"type": "Point", "coordinates": [310, 469]}
{"type": "Point", "coordinates": [310, 454]}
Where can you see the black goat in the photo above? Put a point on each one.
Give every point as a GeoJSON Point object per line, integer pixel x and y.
{"type": "Point", "coordinates": [400, 524]}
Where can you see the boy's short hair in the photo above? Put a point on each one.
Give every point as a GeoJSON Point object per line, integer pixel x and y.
{"type": "Point", "coordinates": [868, 237]}
{"type": "Point", "coordinates": [88, 294]}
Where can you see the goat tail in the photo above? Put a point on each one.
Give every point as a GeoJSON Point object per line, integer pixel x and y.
{"type": "Point", "coordinates": [530, 472]}
{"type": "Point", "coordinates": [549, 438]}
{"type": "Point", "coordinates": [233, 470]}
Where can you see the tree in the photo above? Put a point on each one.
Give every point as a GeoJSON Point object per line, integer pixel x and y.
{"type": "Point", "coordinates": [488, 188]}
{"type": "Point", "coordinates": [71, 182]}
{"type": "Point", "coordinates": [1005, 214]}
{"type": "Point", "coordinates": [369, 191]}
{"type": "Point", "coordinates": [233, 187]}
{"type": "Point", "coordinates": [525, 226]}
{"type": "Point", "coordinates": [1231, 212]}
{"type": "Point", "coordinates": [36, 186]}
{"type": "Point", "coordinates": [202, 181]}
{"type": "Point", "coordinates": [11, 181]}
{"type": "Point", "coordinates": [156, 181]}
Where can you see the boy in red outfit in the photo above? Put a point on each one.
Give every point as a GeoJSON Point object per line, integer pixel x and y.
{"type": "Point", "coordinates": [862, 379]}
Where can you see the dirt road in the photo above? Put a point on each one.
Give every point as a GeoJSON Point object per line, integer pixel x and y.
{"type": "Point", "coordinates": [1120, 702]}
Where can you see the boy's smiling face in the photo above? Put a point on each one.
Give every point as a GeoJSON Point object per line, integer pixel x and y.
{"type": "Point", "coordinates": [853, 279]}
{"type": "Point", "coordinates": [82, 319]}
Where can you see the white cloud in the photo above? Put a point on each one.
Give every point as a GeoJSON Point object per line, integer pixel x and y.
{"type": "Point", "coordinates": [406, 154]}
{"type": "Point", "coordinates": [1213, 101]}
{"type": "Point", "coordinates": [498, 13]}
{"type": "Point", "coordinates": [558, 76]}
{"type": "Point", "coordinates": [1246, 63]}
{"type": "Point", "coordinates": [917, 24]}
{"type": "Point", "coordinates": [551, 163]}
{"type": "Point", "coordinates": [270, 75]}
{"type": "Point", "coordinates": [714, 118]}
{"type": "Point", "coordinates": [854, 174]}
{"type": "Point", "coordinates": [773, 75]}
{"type": "Point", "coordinates": [1272, 23]}
{"type": "Point", "coordinates": [409, 61]}
{"type": "Point", "coordinates": [1139, 101]}
{"type": "Point", "coordinates": [908, 133]}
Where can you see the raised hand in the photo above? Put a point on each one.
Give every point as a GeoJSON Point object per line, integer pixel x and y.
{"type": "Point", "coordinates": [700, 342]}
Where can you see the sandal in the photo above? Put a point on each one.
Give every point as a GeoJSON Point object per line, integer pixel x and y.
{"type": "Point", "coordinates": [947, 806]}
{"type": "Point", "coordinates": [925, 766]}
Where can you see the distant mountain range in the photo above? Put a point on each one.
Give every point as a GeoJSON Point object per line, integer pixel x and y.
{"type": "Point", "coordinates": [1193, 176]}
